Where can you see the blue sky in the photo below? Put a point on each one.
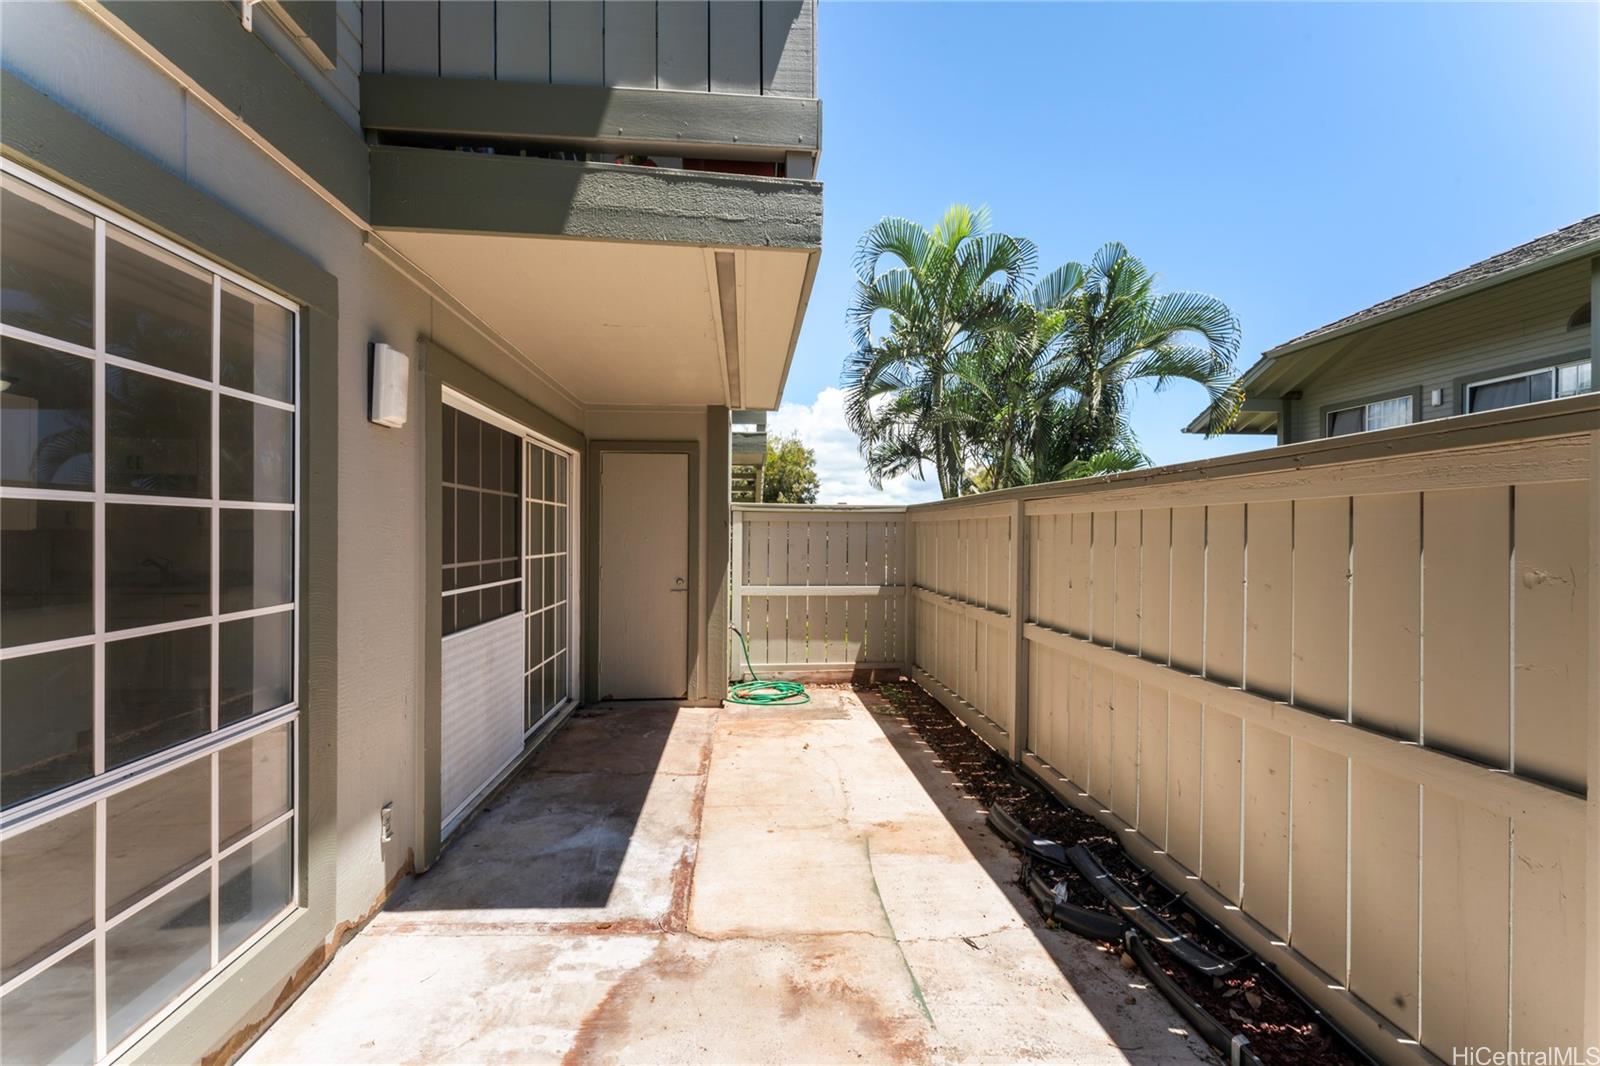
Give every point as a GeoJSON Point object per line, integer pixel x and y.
{"type": "Point", "coordinates": [1300, 161]}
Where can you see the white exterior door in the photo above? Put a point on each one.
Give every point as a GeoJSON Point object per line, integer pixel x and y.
{"type": "Point", "coordinates": [644, 575]}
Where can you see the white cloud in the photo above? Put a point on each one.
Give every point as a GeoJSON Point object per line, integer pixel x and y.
{"type": "Point", "coordinates": [841, 470]}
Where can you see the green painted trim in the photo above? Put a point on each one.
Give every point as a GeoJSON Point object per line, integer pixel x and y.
{"type": "Point", "coordinates": [590, 602]}
{"type": "Point", "coordinates": [440, 367]}
{"type": "Point", "coordinates": [430, 729]}
{"type": "Point", "coordinates": [657, 121]}
{"type": "Point", "coordinates": [209, 44]}
{"type": "Point", "coordinates": [462, 192]}
{"type": "Point", "coordinates": [316, 24]}
{"type": "Point", "coordinates": [48, 137]}
{"type": "Point", "coordinates": [1460, 383]}
{"type": "Point", "coordinates": [719, 572]}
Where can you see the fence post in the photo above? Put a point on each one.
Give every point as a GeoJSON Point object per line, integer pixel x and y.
{"type": "Point", "coordinates": [1019, 635]}
{"type": "Point", "coordinates": [1591, 904]}
{"type": "Point", "coordinates": [735, 664]}
{"type": "Point", "coordinates": [908, 596]}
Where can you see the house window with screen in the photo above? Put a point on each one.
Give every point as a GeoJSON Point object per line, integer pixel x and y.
{"type": "Point", "coordinates": [1547, 383]}
{"type": "Point", "coordinates": [148, 622]}
{"type": "Point", "coordinates": [1382, 414]}
{"type": "Point", "coordinates": [482, 474]}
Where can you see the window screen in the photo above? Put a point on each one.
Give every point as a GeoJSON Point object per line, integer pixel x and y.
{"type": "Point", "coordinates": [148, 546]}
{"type": "Point", "coordinates": [1386, 414]}
{"type": "Point", "coordinates": [1574, 378]}
{"type": "Point", "coordinates": [482, 560]}
{"type": "Point", "coordinates": [1381, 414]}
{"type": "Point", "coordinates": [548, 682]}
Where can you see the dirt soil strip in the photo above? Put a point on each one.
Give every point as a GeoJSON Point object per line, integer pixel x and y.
{"type": "Point", "coordinates": [1252, 1000]}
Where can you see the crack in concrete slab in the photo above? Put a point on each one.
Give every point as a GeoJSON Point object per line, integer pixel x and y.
{"type": "Point", "coordinates": [916, 986]}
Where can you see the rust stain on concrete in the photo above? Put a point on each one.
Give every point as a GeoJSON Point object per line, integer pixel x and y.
{"type": "Point", "coordinates": [677, 916]}
{"type": "Point", "coordinates": [310, 967]}
{"type": "Point", "coordinates": [605, 1028]}
{"type": "Point", "coordinates": [891, 1039]}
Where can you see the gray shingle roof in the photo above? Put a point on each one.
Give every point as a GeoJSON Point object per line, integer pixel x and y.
{"type": "Point", "coordinates": [1551, 244]}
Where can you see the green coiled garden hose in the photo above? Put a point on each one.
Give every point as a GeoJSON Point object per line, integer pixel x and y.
{"type": "Point", "coordinates": [759, 693]}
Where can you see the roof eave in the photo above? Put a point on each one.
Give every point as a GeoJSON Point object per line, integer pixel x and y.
{"type": "Point", "coordinates": [1585, 250]}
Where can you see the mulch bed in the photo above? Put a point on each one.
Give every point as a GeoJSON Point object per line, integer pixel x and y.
{"type": "Point", "coordinates": [1252, 1000]}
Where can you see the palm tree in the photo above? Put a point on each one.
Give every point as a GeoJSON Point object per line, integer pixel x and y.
{"type": "Point", "coordinates": [945, 292]}
{"type": "Point", "coordinates": [1116, 330]}
{"type": "Point", "coordinates": [1000, 399]}
{"type": "Point", "coordinates": [1017, 405]}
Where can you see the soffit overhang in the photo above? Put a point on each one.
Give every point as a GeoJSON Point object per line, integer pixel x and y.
{"type": "Point", "coordinates": [628, 286]}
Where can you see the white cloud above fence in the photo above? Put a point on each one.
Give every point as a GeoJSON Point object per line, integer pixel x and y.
{"type": "Point", "coordinates": [821, 426]}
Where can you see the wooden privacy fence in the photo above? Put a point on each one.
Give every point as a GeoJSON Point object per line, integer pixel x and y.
{"type": "Point", "coordinates": [818, 588]}
{"type": "Point", "coordinates": [1343, 692]}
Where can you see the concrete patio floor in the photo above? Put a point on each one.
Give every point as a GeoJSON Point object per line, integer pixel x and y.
{"type": "Point", "coordinates": [666, 884]}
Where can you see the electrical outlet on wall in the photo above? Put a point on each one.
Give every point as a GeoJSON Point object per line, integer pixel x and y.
{"type": "Point", "coordinates": [386, 822]}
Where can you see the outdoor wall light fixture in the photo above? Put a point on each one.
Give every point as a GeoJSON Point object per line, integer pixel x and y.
{"type": "Point", "coordinates": [390, 386]}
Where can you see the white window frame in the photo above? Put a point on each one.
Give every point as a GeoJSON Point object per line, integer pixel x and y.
{"type": "Point", "coordinates": [467, 405]}
{"type": "Point", "coordinates": [1366, 414]}
{"type": "Point", "coordinates": [105, 784]}
{"type": "Point", "coordinates": [570, 608]}
{"type": "Point", "coordinates": [1554, 370]}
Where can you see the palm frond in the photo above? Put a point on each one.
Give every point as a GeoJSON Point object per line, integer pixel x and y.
{"type": "Point", "coordinates": [1057, 287]}
{"type": "Point", "coordinates": [1194, 312]}
{"type": "Point", "coordinates": [897, 237]}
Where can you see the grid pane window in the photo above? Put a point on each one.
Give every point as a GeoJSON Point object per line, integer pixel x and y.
{"type": "Point", "coordinates": [480, 477]}
{"type": "Point", "coordinates": [47, 274]}
{"type": "Point", "coordinates": [549, 678]}
{"type": "Point", "coordinates": [47, 411]}
{"type": "Point", "coordinates": [148, 546]}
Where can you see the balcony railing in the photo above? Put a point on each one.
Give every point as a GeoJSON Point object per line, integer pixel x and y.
{"type": "Point", "coordinates": [1344, 691]}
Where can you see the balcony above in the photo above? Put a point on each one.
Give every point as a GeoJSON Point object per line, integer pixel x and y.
{"type": "Point", "coordinates": [692, 130]}
{"type": "Point", "coordinates": [624, 192]}
{"type": "Point", "coordinates": [684, 81]}
{"type": "Point", "coordinates": [634, 286]}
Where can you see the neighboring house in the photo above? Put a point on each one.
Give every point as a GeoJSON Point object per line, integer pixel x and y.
{"type": "Point", "coordinates": [261, 655]}
{"type": "Point", "coordinates": [1513, 329]}
{"type": "Point", "coordinates": [749, 455]}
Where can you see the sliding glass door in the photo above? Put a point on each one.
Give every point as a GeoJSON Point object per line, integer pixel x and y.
{"type": "Point", "coordinates": [548, 684]}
